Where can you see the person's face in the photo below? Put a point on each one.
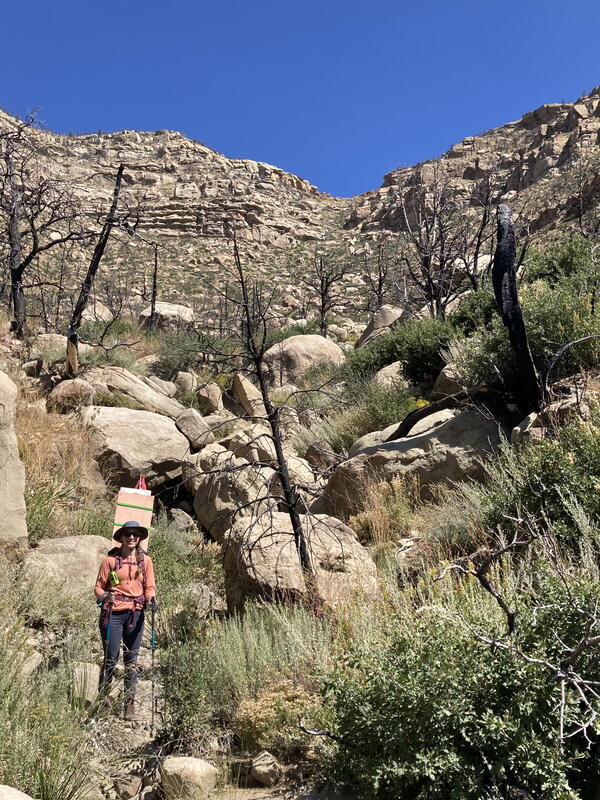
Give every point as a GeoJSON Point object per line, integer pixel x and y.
{"type": "Point", "coordinates": [130, 539]}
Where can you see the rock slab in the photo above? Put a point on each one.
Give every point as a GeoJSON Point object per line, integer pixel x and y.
{"type": "Point", "coordinates": [13, 526]}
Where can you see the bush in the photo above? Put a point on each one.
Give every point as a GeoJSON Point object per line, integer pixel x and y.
{"type": "Point", "coordinates": [43, 746]}
{"type": "Point", "coordinates": [433, 713]}
{"type": "Point", "coordinates": [212, 673]}
{"type": "Point", "coordinates": [178, 351]}
{"type": "Point", "coordinates": [476, 310]}
{"type": "Point", "coordinates": [373, 408]}
{"type": "Point", "coordinates": [543, 481]}
{"type": "Point", "coordinates": [554, 317]}
{"type": "Point", "coordinates": [114, 399]}
{"type": "Point", "coordinates": [418, 343]}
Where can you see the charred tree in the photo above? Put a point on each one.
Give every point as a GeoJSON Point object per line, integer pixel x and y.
{"type": "Point", "coordinates": [86, 286]}
{"type": "Point", "coordinates": [504, 281]}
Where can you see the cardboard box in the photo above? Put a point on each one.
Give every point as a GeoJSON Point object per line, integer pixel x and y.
{"type": "Point", "coordinates": [137, 504]}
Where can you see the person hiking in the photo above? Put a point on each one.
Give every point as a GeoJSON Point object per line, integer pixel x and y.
{"type": "Point", "coordinates": [124, 587]}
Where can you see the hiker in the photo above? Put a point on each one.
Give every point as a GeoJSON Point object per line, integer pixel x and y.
{"type": "Point", "coordinates": [124, 587]}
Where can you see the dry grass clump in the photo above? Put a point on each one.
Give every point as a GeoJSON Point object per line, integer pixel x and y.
{"type": "Point", "coordinates": [58, 455]}
{"type": "Point", "coordinates": [389, 510]}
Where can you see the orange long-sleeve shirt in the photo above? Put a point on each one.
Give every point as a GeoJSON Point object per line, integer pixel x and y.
{"type": "Point", "coordinates": [132, 582]}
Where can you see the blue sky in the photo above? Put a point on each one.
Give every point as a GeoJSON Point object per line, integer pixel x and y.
{"type": "Point", "coordinates": [337, 92]}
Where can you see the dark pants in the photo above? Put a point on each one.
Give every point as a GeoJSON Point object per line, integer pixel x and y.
{"type": "Point", "coordinates": [131, 636]}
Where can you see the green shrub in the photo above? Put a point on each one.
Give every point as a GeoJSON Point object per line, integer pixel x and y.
{"type": "Point", "coordinates": [418, 343]}
{"type": "Point", "coordinates": [567, 258]}
{"type": "Point", "coordinates": [433, 713]}
{"type": "Point", "coordinates": [211, 674]}
{"type": "Point", "coordinates": [114, 399]}
{"type": "Point", "coordinates": [541, 481]}
{"type": "Point", "coordinates": [43, 746]}
{"type": "Point", "coordinates": [373, 408]}
{"type": "Point", "coordinates": [476, 310]}
{"type": "Point", "coordinates": [178, 351]}
{"type": "Point", "coordinates": [554, 317]}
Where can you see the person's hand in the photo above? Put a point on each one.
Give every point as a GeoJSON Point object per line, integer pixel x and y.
{"type": "Point", "coordinates": [153, 603]}
{"type": "Point", "coordinates": [105, 598]}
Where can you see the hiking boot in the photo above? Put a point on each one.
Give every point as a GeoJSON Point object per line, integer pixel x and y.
{"type": "Point", "coordinates": [130, 712]}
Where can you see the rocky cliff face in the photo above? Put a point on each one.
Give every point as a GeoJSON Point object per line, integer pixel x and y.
{"type": "Point", "coordinates": [191, 193]}
{"type": "Point", "coordinates": [538, 162]}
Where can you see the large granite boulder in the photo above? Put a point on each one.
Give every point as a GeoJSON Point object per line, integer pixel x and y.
{"type": "Point", "coordinates": [260, 560]}
{"type": "Point", "coordinates": [129, 443]}
{"type": "Point", "coordinates": [380, 323]}
{"type": "Point", "coordinates": [13, 527]}
{"type": "Point", "coordinates": [228, 488]}
{"type": "Point", "coordinates": [209, 398]}
{"type": "Point", "coordinates": [287, 361]}
{"type": "Point", "coordinates": [377, 438]}
{"type": "Point", "coordinates": [168, 315]}
{"type": "Point", "coordinates": [79, 557]}
{"type": "Point", "coordinates": [142, 393]}
{"type": "Point", "coordinates": [454, 450]}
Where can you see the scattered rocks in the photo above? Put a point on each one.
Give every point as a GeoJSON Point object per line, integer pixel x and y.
{"type": "Point", "coordinates": [194, 428]}
{"type": "Point", "coordinates": [145, 394]}
{"type": "Point", "coordinates": [70, 395]}
{"type": "Point", "coordinates": [379, 323]}
{"type": "Point", "coordinates": [447, 383]}
{"type": "Point", "coordinates": [209, 398]}
{"type": "Point", "coordinates": [248, 396]}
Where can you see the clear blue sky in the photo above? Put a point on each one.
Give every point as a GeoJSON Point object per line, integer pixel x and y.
{"type": "Point", "coordinates": [336, 92]}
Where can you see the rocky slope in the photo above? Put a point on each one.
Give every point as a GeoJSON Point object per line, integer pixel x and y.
{"type": "Point", "coordinates": [190, 192]}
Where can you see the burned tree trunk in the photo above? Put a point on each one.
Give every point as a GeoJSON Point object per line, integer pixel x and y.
{"type": "Point", "coordinates": [504, 281]}
{"type": "Point", "coordinates": [86, 286]}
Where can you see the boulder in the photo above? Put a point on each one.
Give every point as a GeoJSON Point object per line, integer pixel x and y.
{"type": "Point", "coordinates": [254, 443]}
{"type": "Point", "coordinates": [379, 437]}
{"type": "Point", "coordinates": [446, 383]}
{"type": "Point", "coordinates": [194, 428]}
{"type": "Point", "coordinates": [321, 455]}
{"type": "Point", "coordinates": [186, 778]}
{"type": "Point", "coordinates": [265, 770]}
{"type": "Point", "coordinates": [97, 312]}
{"type": "Point", "coordinates": [168, 388]}
{"type": "Point", "coordinates": [451, 451]}
{"type": "Point", "coordinates": [13, 527]}
{"type": "Point", "coordinates": [53, 346]}
{"type": "Point", "coordinates": [168, 315]}
{"type": "Point", "coordinates": [70, 395]}
{"type": "Point", "coordinates": [129, 443]}
{"type": "Point", "coordinates": [248, 396]}
{"type": "Point", "coordinates": [143, 394]}
{"type": "Point", "coordinates": [209, 398]}
{"type": "Point", "coordinates": [228, 488]}
{"type": "Point", "coordinates": [392, 375]}
{"type": "Point", "coordinates": [379, 323]}
{"type": "Point", "coordinates": [8, 793]}
{"type": "Point", "coordinates": [287, 361]}
{"type": "Point", "coordinates": [260, 560]}
{"type": "Point", "coordinates": [85, 682]}
{"type": "Point", "coordinates": [186, 381]}
{"type": "Point", "coordinates": [79, 557]}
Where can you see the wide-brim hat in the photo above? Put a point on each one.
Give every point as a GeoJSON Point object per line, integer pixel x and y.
{"type": "Point", "coordinates": [129, 526]}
